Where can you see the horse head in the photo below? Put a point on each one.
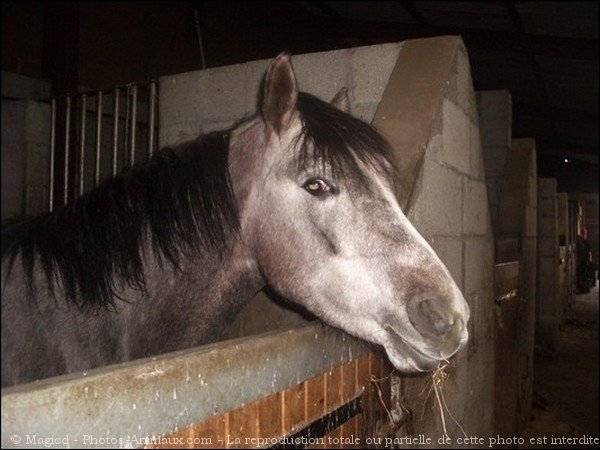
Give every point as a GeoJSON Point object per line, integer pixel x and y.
{"type": "Point", "coordinates": [321, 224]}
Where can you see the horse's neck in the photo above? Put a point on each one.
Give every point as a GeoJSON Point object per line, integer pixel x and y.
{"type": "Point", "coordinates": [197, 302]}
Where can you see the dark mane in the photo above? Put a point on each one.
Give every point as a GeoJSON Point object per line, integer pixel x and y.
{"type": "Point", "coordinates": [181, 201]}
{"type": "Point", "coordinates": [340, 140]}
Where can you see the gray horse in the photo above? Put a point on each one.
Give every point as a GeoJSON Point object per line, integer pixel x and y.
{"type": "Point", "coordinates": [162, 257]}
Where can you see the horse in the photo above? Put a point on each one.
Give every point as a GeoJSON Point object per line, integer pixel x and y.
{"type": "Point", "coordinates": [298, 197]}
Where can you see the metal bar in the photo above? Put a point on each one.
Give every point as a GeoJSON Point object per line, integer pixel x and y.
{"type": "Point", "coordinates": [199, 36]}
{"type": "Point", "coordinates": [98, 137]}
{"type": "Point", "coordinates": [52, 156]}
{"type": "Point", "coordinates": [127, 115]}
{"type": "Point", "coordinates": [67, 149]}
{"type": "Point", "coordinates": [82, 144]}
{"type": "Point", "coordinates": [116, 99]}
{"type": "Point", "coordinates": [133, 124]}
{"type": "Point", "coordinates": [151, 118]}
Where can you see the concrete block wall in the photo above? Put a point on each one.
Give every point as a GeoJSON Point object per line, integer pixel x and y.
{"type": "Point", "coordinates": [517, 222]}
{"type": "Point", "coordinates": [495, 118]}
{"type": "Point", "coordinates": [198, 102]}
{"type": "Point", "coordinates": [548, 312]}
{"type": "Point", "coordinates": [419, 94]}
{"type": "Point", "coordinates": [449, 206]}
{"type": "Point", "coordinates": [511, 177]}
{"type": "Point", "coordinates": [25, 157]}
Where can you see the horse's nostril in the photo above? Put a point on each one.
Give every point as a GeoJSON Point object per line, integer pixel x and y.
{"type": "Point", "coordinates": [431, 317]}
{"type": "Point", "coordinates": [440, 325]}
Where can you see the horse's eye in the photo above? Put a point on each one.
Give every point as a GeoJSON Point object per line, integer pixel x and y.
{"type": "Point", "coordinates": [319, 187]}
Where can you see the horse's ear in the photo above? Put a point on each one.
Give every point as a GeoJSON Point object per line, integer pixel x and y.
{"type": "Point", "coordinates": [341, 100]}
{"type": "Point", "coordinates": [280, 93]}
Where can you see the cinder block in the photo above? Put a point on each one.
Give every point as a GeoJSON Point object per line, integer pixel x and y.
{"type": "Point", "coordinates": [494, 132]}
{"type": "Point", "coordinates": [435, 148]}
{"type": "Point", "coordinates": [36, 165]}
{"type": "Point", "coordinates": [450, 249]}
{"type": "Point", "coordinates": [370, 69]}
{"type": "Point", "coordinates": [548, 265]}
{"type": "Point", "coordinates": [548, 246]}
{"type": "Point", "coordinates": [176, 134]}
{"type": "Point", "coordinates": [207, 95]}
{"type": "Point", "coordinates": [508, 248]}
{"type": "Point", "coordinates": [36, 200]}
{"type": "Point", "coordinates": [216, 126]}
{"type": "Point", "coordinates": [547, 206]}
{"type": "Point", "coordinates": [465, 96]}
{"type": "Point", "coordinates": [494, 158]}
{"type": "Point", "coordinates": [37, 122]}
{"type": "Point", "coordinates": [494, 186]}
{"type": "Point", "coordinates": [532, 190]}
{"type": "Point", "coordinates": [475, 210]}
{"type": "Point", "coordinates": [494, 105]}
{"type": "Point", "coordinates": [476, 154]}
{"type": "Point", "coordinates": [437, 201]}
{"type": "Point", "coordinates": [323, 74]}
{"type": "Point", "coordinates": [364, 111]}
{"type": "Point", "coordinates": [456, 136]}
{"type": "Point", "coordinates": [547, 227]}
{"type": "Point", "coordinates": [255, 72]}
{"type": "Point", "coordinates": [479, 264]}
{"type": "Point", "coordinates": [20, 86]}
{"type": "Point", "coordinates": [546, 187]}
{"type": "Point", "coordinates": [547, 297]}
{"type": "Point", "coordinates": [530, 221]}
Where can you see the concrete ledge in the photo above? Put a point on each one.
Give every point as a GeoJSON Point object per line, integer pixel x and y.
{"type": "Point", "coordinates": [158, 396]}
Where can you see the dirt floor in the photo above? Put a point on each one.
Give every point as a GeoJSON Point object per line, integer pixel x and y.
{"type": "Point", "coordinates": [566, 382]}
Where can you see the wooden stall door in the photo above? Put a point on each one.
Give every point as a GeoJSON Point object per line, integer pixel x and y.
{"type": "Point", "coordinates": [506, 281]}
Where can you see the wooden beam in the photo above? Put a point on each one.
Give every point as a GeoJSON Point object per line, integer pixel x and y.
{"type": "Point", "coordinates": [555, 146]}
{"type": "Point", "coordinates": [555, 114]}
{"type": "Point", "coordinates": [543, 45]}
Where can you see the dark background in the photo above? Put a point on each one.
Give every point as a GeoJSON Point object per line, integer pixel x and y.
{"type": "Point", "coordinates": [545, 53]}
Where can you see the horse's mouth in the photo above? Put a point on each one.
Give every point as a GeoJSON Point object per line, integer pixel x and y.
{"type": "Point", "coordinates": [420, 360]}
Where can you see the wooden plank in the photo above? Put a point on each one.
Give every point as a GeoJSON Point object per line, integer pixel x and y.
{"type": "Point", "coordinates": [315, 397]}
{"type": "Point", "coordinates": [175, 440]}
{"type": "Point", "coordinates": [350, 433]}
{"type": "Point", "coordinates": [212, 433]}
{"type": "Point", "coordinates": [243, 426]}
{"type": "Point", "coordinates": [333, 386]}
{"type": "Point", "coordinates": [363, 376]}
{"type": "Point", "coordinates": [269, 416]}
{"type": "Point", "coordinates": [349, 385]}
{"type": "Point", "coordinates": [293, 408]}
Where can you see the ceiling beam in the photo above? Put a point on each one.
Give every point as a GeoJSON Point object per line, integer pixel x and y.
{"type": "Point", "coordinates": [556, 146]}
{"type": "Point", "coordinates": [561, 154]}
{"type": "Point", "coordinates": [535, 67]}
{"type": "Point", "coordinates": [543, 45]}
{"type": "Point", "coordinates": [555, 114]}
{"type": "Point", "coordinates": [413, 12]}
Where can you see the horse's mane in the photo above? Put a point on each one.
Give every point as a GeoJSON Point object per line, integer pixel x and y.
{"type": "Point", "coordinates": [340, 142]}
{"type": "Point", "coordinates": [181, 202]}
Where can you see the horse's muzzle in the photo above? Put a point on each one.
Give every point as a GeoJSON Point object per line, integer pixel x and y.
{"type": "Point", "coordinates": [441, 326]}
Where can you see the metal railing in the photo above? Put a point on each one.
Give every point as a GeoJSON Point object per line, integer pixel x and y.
{"type": "Point", "coordinates": [72, 166]}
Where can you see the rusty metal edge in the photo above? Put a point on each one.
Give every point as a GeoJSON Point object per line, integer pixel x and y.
{"type": "Point", "coordinates": [120, 405]}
